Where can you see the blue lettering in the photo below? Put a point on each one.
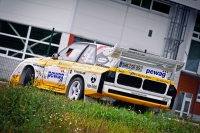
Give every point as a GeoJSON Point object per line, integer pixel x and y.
{"type": "Point", "coordinates": [147, 71]}
{"type": "Point", "coordinates": [161, 74]}
{"type": "Point", "coordinates": [55, 75]}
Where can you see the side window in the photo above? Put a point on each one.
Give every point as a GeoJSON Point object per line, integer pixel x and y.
{"type": "Point", "coordinates": [72, 52]}
{"type": "Point", "coordinates": [89, 55]}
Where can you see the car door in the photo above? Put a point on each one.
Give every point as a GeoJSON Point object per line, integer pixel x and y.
{"type": "Point", "coordinates": [56, 70]}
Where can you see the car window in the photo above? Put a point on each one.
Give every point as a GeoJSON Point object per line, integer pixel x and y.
{"type": "Point", "coordinates": [72, 52]}
{"type": "Point", "coordinates": [89, 55]}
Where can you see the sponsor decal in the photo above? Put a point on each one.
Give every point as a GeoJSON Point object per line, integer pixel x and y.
{"type": "Point", "coordinates": [130, 66]}
{"type": "Point", "coordinates": [91, 86]}
{"type": "Point", "coordinates": [93, 78]}
{"type": "Point", "coordinates": [70, 71]}
{"type": "Point", "coordinates": [63, 63]}
{"type": "Point", "coordinates": [55, 75]}
{"type": "Point", "coordinates": [82, 66]}
{"type": "Point", "coordinates": [79, 72]}
{"type": "Point", "coordinates": [38, 65]}
{"type": "Point", "coordinates": [101, 65]}
{"type": "Point", "coordinates": [156, 73]}
{"type": "Point", "coordinates": [102, 60]}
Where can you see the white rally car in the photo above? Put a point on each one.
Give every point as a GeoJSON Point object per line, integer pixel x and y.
{"type": "Point", "coordinates": [102, 72]}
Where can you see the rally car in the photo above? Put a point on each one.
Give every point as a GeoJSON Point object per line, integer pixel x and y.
{"type": "Point", "coordinates": [103, 72]}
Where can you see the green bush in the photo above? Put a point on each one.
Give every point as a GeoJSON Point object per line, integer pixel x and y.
{"type": "Point", "coordinates": [28, 109]}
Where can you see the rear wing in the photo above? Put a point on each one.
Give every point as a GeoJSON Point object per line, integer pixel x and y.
{"type": "Point", "coordinates": [145, 59]}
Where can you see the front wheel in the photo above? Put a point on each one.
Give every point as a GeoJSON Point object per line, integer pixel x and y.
{"type": "Point", "coordinates": [75, 89]}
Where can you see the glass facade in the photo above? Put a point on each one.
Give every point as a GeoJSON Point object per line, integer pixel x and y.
{"type": "Point", "coordinates": [193, 59]}
{"type": "Point", "coordinates": [197, 24]}
{"type": "Point", "coordinates": [23, 41]}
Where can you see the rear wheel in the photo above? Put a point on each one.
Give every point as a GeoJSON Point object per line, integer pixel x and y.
{"type": "Point", "coordinates": [75, 89]}
{"type": "Point", "coordinates": [29, 77]}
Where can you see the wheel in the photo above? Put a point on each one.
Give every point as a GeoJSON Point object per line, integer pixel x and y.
{"type": "Point", "coordinates": [29, 76]}
{"type": "Point", "coordinates": [75, 89]}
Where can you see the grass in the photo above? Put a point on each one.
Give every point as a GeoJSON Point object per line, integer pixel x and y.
{"type": "Point", "coordinates": [32, 110]}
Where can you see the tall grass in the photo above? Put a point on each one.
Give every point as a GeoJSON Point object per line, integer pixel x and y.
{"type": "Point", "coordinates": [32, 110]}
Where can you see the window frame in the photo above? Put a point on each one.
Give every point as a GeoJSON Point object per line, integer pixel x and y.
{"type": "Point", "coordinates": [154, 11]}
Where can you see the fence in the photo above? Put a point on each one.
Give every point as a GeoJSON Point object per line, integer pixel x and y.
{"type": "Point", "coordinates": [18, 42]}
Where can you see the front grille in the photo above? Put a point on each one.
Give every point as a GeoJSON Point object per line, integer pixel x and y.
{"type": "Point", "coordinates": [130, 81]}
{"type": "Point", "coordinates": [136, 96]}
{"type": "Point", "coordinates": [154, 86]}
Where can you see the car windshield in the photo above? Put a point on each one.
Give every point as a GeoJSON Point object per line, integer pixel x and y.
{"type": "Point", "coordinates": [72, 52]}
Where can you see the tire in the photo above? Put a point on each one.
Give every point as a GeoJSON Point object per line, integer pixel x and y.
{"type": "Point", "coordinates": [75, 89]}
{"type": "Point", "coordinates": [29, 77]}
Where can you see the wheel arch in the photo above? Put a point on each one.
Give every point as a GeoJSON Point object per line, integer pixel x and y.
{"type": "Point", "coordinates": [23, 74]}
{"type": "Point", "coordinates": [72, 78]}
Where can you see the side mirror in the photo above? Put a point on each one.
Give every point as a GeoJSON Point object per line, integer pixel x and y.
{"type": "Point", "coordinates": [55, 56]}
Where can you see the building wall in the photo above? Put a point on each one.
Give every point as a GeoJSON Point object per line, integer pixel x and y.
{"type": "Point", "coordinates": [40, 13]}
{"type": "Point", "coordinates": [124, 24]}
{"type": "Point", "coordinates": [190, 85]}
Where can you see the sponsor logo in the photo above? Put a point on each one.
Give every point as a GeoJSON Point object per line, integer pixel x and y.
{"type": "Point", "coordinates": [156, 73]}
{"type": "Point", "coordinates": [101, 65]}
{"type": "Point", "coordinates": [70, 71]}
{"type": "Point", "coordinates": [79, 72]}
{"type": "Point", "coordinates": [55, 75]}
{"type": "Point", "coordinates": [102, 60]}
{"type": "Point", "coordinates": [82, 66]}
{"type": "Point", "coordinates": [91, 86]}
{"type": "Point", "coordinates": [130, 66]}
{"type": "Point", "coordinates": [93, 78]}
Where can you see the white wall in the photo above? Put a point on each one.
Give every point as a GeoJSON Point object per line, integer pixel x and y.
{"type": "Point", "coordinates": [113, 22]}
{"type": "Point", "coordinates": [39, 13]}
{"type": "Point", "coordinates": [100, 20]}
{"type": "Point", "coordinates": [137, 26]}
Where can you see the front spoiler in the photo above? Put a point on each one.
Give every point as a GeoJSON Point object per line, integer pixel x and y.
{"type": "Point", "coordinates": [136, 101]}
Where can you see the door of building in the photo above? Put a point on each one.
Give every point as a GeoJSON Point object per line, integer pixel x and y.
{"type": "Point", "coordinates": [184, 103]}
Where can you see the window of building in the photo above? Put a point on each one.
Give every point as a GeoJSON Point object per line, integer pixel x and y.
{"type": "Point", "coordinates": [152, 5]}
{"type": "Point", "coordinates": [197, 24]}
{"type": "Point", "coordinates": [193, 59]}
{"type": "Point", "coordinates": [142, 3]}
{"type": "Point", "coordinates": [161, 7]}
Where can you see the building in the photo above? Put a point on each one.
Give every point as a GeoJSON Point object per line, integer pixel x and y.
{"type": "Point", "coordinates": [169, 28]}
